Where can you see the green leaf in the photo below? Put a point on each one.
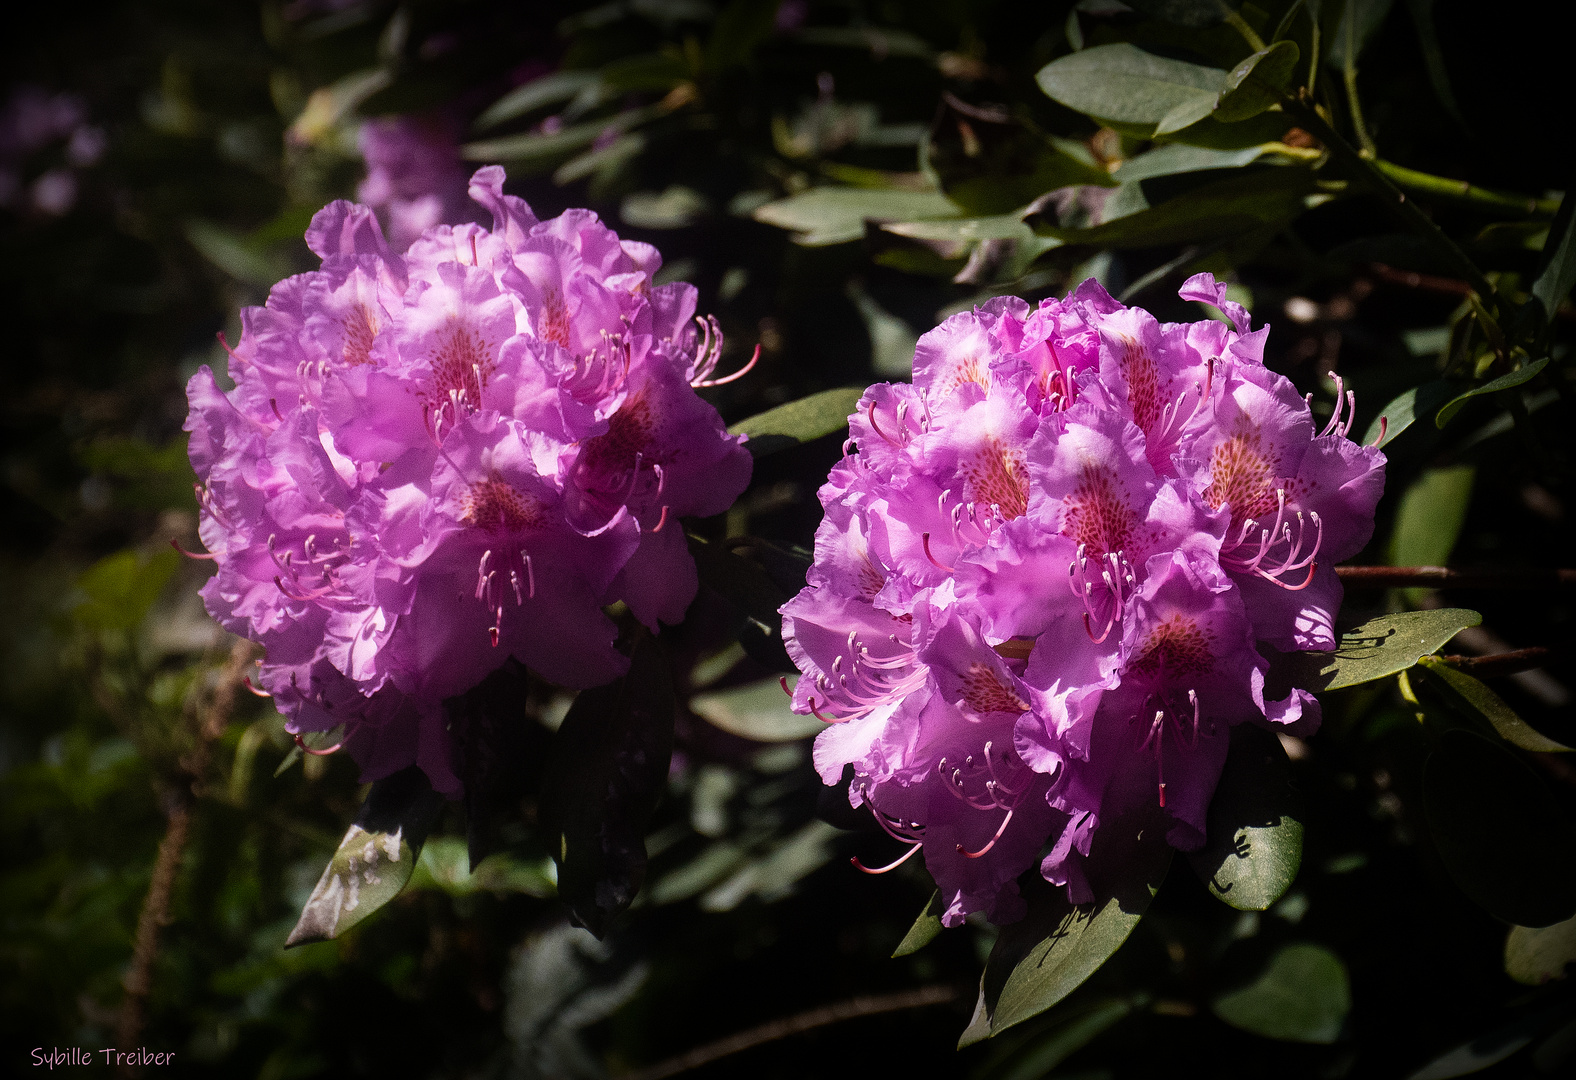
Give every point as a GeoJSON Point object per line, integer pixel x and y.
{"type": "Point", "coordinates": [754, 591]}
{"type": "Point", "coordinates": [534, 149]}
{"type": "Point", "coordinates": [1254, 844]}
{"type": "Point", "coordinates": [121, 588]}
{"type": "Point", "coordinates": [1472, 696]}
{"type": "Point", "coordinates": [1405, 409]}
{"type": "Point", "coordinates": [1256, 199]}
{"type": "Point", "coordinates": [244, 260]}
{"type": "Point", "coordinates": [1068, 1032]}
{"type": "Point", "coordinates": [375, 859]}
{"type": "Point", "coordinates": [1173, 159]}
{"type": "Point", "coordinates": [1534, 956]}
{"type": "Point", "coordinates": [1256, 83]}
{"type": "Point", "coordinates": [1379, 647]}
{"type": "Point", "coordinates": [1046, 955]}
{"type": "Point", "coordinates": [964, 230]}
{"type": "Point", "coordinates": [1302, 996]}
{"type": "Point", "coordinates": [1487, 1049]}
{"type": "Point", "coordinates": [445, 865]}
{"type": "Point", "coordinates": [1366, 15]}
{"type": "Point", "coordinates": [1125, 84]}
{"type": "Point", "coordinates": [802, 421]}
{"type": "Point", "coordinates": [1430, 517]}
{"type": "Point", "coordinates": [1557, 273]}
{"type": "Point", "coordinates": [758, 711]}
{"type": "Point", "coordinates": [607, 770]}
{"type": "Point", "coordinates": [547, 90]}
{"type": "Point", "coordinates": [1193, 14]}
{"type": "Point", "coordinates": [992, 162]}
{"type": "Point", "coordinates": [1504, 382]}
{"type": "Point", "coordinates": [501, 751]}
{"type": "Point", "coordinates": [1502, 836]}
{"type": "Point", "coordinates": [924, 930]}
{"type": "Point", "coordinates": [836, 215]}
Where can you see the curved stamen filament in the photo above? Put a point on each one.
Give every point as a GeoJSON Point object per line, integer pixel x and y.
{"type": "Point", "coordinates": [984, 850]}
{"type": "Point", "coordinates": [925, 542]}
{"type": "Point", "coordinates": [862, 868]}
{"type": "Point", "coordinates": [741, 373]}
{"type": "Point", "coordinates": [316, 753]}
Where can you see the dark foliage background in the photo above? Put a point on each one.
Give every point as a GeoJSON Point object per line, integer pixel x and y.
{"type": "Point", "coordinates": [224, 126]}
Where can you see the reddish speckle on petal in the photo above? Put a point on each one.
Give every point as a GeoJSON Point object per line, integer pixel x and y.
{"type": "Point", "coordinates": [361, 327]}
{"type": "Point", "coordinates": [553, 320]}
{"type": "Point", "coordinates": [496, 506]}
{"type": "Point", "coordinates": [1098, 513]}
{"type": "Point", "coordinates": [997, 475]}
{"type": "Point", "coordinates": [1242, 474]}
{"type": "Point", "coordinates": [1175, 648]}
{"type": "Point", "coordinates": [984, 691]}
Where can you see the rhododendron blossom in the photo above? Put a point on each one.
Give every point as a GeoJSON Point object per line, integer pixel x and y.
{"type": "Point", "coordinates": [435, 460]}
{"type": "Point", "coordinates": [1044, 574]}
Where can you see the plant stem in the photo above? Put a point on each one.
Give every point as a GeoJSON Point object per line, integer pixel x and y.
{"type": "Point", "coordinates": [1460, 190]}
{"type": "Point", "coordinates": [1360, 168]}
{"type": "Point", "coordinates": [1401, 577]}
{"type": "Point", "coordinates": [1505, 663]}
{"type": "Point", "coordinates": [1369, 150]}
{"type": "Point", "coordinates": [793, 1025]}
{"type": "Point", "coordinates": [155, 913]}
{"type": "Point", "coordinates": [1235, 20]}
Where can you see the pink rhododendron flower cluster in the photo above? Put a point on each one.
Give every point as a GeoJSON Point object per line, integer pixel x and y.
{"type": "Point", "coordinates": [1044, 574]}
{"type": "Point", "coordinates": [438, 459]}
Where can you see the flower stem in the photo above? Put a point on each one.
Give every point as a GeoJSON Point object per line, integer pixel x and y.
{"type": "Point", "coordinates": [1445, 577]}
{"type": "Point", "coordinates": [1460, 190]}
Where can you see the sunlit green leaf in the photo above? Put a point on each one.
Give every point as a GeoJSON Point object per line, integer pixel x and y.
{"type": "Point", "coordinates": [1172, 159]}
{"type": "Point", "coordinates": [1472, 695]}
{"type": "Point", "coordinates": [835, 215]}
{"type": "Point", "coordinates": [1404, 410]}
{"type": "Point", "coordinates": [1503, 837]}
{"type": "Point", "coordinates": [120, 588]}
{"type": "Point", "coordinates": [1256, 83]}
{"type": "Point", "coordinates": [1302, 996]}
{"type": "Point", "coordinates": [801, 421]}
{"type": "Point", "coordinates": [1504, 382]}
{"type": "Point", "coordinates": [375, 859]}
{"type": "Point", "coordinates": [758, 711]}
{"type": "Point", "coordinates": [1045, 956]}
{"type": "Point", "coordinates": [1430, 516]}
{"type": "Point", "coordinates": [1254, 841]}
{"type": "Point", "coordinates": [924, 930]}
{"type": "Point", "coordinates": [1125, 84]}
{"type": "Point", "coordinates": [1379, 647]}
{"type": "Point", "coordinates": [1535, 956]}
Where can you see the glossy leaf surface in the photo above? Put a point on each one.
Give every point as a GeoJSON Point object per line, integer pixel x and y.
{"type": "Point", "coordinates": [375, 859]}
{"type": "Point", "coordinates": [1302, 996]}
{"type": "Point", "coordinates": [1125, 84]}
{"type": "Point", "coordinates": [1379, 647]}
{"type": "Point", "coordinates": [1254, 844]}
{"type": "Point", "coordinates": [1473, 696]}
{"type": "Point", "coordinates": [924, 930]}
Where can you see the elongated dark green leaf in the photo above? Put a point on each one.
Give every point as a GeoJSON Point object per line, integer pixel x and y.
{"type": "Point", "coordinates": [1470, 1057]}
{"type": "Point", "coordinates": [1558, 273]}
{"type": "Point", "coordinates": [1430, 516]}
{"type": "Point", "coordinates": [758, 711]}
{"type": "Point", "coordinates": [1254, 842]}
{"type": "Point", "coordinates": [1535, 956]}
{"type": "Point", "coordinates": [1379, 647]}
{"type": "Point", "coordinates": [836, 215]}
{"type": "Point", "coordinates": [1127, 85]}
{"type": "Point", "coordinates": [1071, 1028]}
{"type": "Point", "coordinates": [1046, 955]}
{"type": "Point", "coordinates": [993, 163]}
{"type": "Point", "coordinates": [1504, 382]}
{"type": "Point", "coordinates": [1302, 996]}
{"type": "Point", "coordinates": [1257, 199]}
{"type": "Point", "coordinates": [501, 751]}
{"type": "Point", "coordinates": [374, 860]}
{"type": "Point", "coordinates": [547, 90]}
{"type": "Point", "coordinates": [1404, 410]}
{"type": "Point", "coordinates": [1256, 83]}
{"type": "Point", "coordinates": [799, 421]}
{"type": "Point", "coordinates": [1194, 14]}
{"type": "Point", "coordinates": [1502, 836]}
{"type": "Point", "coordinates": [1471, 695]}
{"type": "Point", "coordinates": [606, 773]}
{"type": "Point", "coordinates": [924, 930]}
{"type": "Point", "coordinates": [536, 149]}
{"type": "Point", "coordinates": [1174, 158]}
{"type": "Point", "coordinates": [757, 595]}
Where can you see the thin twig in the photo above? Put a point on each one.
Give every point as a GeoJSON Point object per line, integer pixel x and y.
{"type": "Point", "coordinates": [794, 1025]}
{"type": "Point", "coordinates": [178, 802]}
{"type": "Point", "coordinates": [1446, 577]}
{"type": "Point", "coordinates": [1505, 663]}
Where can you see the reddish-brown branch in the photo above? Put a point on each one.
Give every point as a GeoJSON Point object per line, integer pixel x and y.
{"type": "Point", "coordinates": [793, 1025]}
{"type": "Point", "coordinates": [1446, 577]}
{"type": "Point", "coordinates": [1505, 663]}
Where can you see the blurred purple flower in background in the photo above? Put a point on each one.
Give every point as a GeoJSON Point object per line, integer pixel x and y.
{"type": "Point", "coordinates": [44, 140]}
{"type": "Point", "coordinates": [435, 460]}
{"type": "Point", "coordinates": [1044, 572]}
{"type": "Point", "coordinates": [415, 176]}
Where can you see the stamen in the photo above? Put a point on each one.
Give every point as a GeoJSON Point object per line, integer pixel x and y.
{"type": "Point", "coordinates": [474, 260]}
{"type": "Point", "coordinates": [741, 373]}
{"type": "Point", "coordinates": [176, 544]}
{"type": "Point", "coordinates": [925, 541]}
{"type": "Point", "coordinates": [982, 851]}
{"type": "Point", "coordinates": [870, 414]}
{"type": "Point", "coordinates": [247, 680]}
{"type": "Point", "coordinates": [273, 403]}
{"type": "Point", "coordinates": [316, 753]}
{"type": "Point", "coordinates": [663, 520]}
{"type": "Point", "coordinates": [1384, 422]}
{"type": "Point", "coordinates": [862, 868]}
